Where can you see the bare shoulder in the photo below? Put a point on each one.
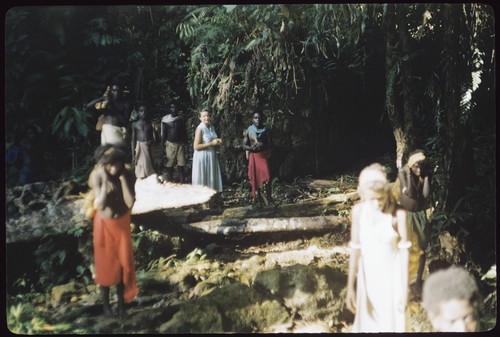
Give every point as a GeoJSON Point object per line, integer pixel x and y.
{"type": "Point", "coordinates": [97, 175]}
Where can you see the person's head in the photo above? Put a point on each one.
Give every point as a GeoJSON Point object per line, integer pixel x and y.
{"type": "Point", "coordinates": [374, 188]}
{"type": "Point", "coordinates": [452, 299]}
{"type": "Point", "coordinates": [112, 157]}
{"type": "Point", "coordinates": [115, 91]}
{"type": "Point", "coordinates": [173, 109]}
{"type": "Point", "coordinates": [143, 112]}
{"type": "Point", "coordinates": [416, 161]}
{"type": "Point", "coordinates": [257, 118]}
{"type": "Point", "coordinates": [204, 116]}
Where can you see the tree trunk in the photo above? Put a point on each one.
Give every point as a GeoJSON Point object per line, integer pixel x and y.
{"type": "Point", "coordinates": [391, 40]}
{"type": "Point", "coordinates": [408, 88]}
{"type": "Point", "coordinates": [267, 225]}
{"type": "Point", "coordinates": [451, 101]}
{"type": "Point", "coordinates": [172, 219]}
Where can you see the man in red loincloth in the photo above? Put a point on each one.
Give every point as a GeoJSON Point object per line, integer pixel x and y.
{"type": "Point", "coordinates": [258, 143]}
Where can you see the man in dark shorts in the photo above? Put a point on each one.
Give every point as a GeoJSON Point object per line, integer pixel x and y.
{"type": "Point", "coordinates": [174, 136]}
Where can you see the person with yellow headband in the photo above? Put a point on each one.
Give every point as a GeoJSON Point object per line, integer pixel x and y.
{"type": "Point", "coordinates": [415, 192]}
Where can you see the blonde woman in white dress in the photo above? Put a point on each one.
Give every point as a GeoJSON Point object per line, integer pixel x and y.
{"type": "Point", "coordinates": [206, 168]}
{"type": "Point", "coordinates": [377, 286]}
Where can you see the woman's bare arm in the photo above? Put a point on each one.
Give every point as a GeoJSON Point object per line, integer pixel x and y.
{"type": "Point", "coordinates": [198, 145]}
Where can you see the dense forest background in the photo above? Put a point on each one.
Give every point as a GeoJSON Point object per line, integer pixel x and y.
{"type": "Point", "coordinates": [341, 85]}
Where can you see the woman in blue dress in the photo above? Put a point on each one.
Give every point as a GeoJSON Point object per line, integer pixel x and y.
{"type": "Point", "coordinates": [206, 168]}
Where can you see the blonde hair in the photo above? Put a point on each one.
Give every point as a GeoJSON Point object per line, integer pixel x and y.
{"type": "Point", "coordinates": [373, 178]}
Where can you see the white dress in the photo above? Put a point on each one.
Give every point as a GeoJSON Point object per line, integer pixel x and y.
{"type": "Point", "coordinates": [206, 169]}
{"type": "Point", "coordinates": [379, 280]}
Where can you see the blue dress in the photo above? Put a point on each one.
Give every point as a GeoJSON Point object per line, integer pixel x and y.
{"type": "Point", "coordinates": [206, 168]}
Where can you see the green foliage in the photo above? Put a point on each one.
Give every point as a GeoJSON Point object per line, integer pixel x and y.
{"type": "Point", "coordinates": [316, 70]}
{"type": "Point", "coordinates": [71, 124]}
{"type": "Point", "coordinates": [195, 255]}
{"type": "Point", "coordinates": [149, 246]}
{"type": "Point", "coordinates": [243, 188]}
{"type": "Point", "coordinates": [451, 221]}
{"type": "Point", "coordinates": [22, 318]}
{"type": "Point", "coordinates": [53, 71]}
{"type": "Point", "coordinates": [58, 261]}
{"type": "Point", "coordinates": [266, 56]}
{"type": "Point", "coordinates": [489, 317]}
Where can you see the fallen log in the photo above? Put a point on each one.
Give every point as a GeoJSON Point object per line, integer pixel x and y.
{"type": "Point", "coordinates": [268, 225]}
{"type": "Point", "coordinates": [175, 217]}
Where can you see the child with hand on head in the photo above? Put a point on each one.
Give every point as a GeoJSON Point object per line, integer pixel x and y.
{"type": "Point", "coordinates": [415, 192]}
{"type": "Point", "coordinates": [113, 187]}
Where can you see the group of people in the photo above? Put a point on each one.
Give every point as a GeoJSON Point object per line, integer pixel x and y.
{"type": "Point", "coordinates": [112, 183]}
{"type": "Point", "coordinates": [112, 194]}
{"type": "Point", "coordinates": [380, 245]}
{"type": "Point", "coordinates": [115, 130]}
{"type": "Point", "coordinates": [206, 171]}
{"type": "Point", "coordinates": [383, 229]}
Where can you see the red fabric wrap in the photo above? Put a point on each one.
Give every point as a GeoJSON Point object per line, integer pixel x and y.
{"type": "Point", "coordinates": [113, 254]}
{"type": "Point", "coordinates": [258, 169]}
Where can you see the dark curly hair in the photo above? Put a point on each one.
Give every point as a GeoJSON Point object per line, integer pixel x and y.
{"type": "Point", "coordinates": [447, 284]}
{"type": "Point", "coordinates": [110, 153]}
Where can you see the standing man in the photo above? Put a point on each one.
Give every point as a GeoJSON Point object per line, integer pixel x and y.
{"type": "Point", "coordinates": [142, 138]}
{"type": "Point", "coordinates": [116, 113]}
{"type": "Point", "coordinates": [258, 142]}
{"type": "Point", "coordinates": [173, 131]}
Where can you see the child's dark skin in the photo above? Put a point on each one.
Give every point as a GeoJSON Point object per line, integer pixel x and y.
{"type": "Point", "coordinates": [113, 186]}
{"type": "Point", "coordinates": [117, 109]}
{"type": "Point", "coordinates": [416, 185]}
{"type": "Point", "coordinates": [416, 189]}
{"type": "Point", "coordinates": [142, 130]}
